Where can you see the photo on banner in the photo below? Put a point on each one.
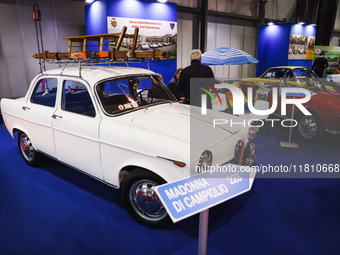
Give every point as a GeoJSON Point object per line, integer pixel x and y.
{"type": "Point", "coordinates": [153, 34]}
{"type": "Point", "coordinates": [301, 47]}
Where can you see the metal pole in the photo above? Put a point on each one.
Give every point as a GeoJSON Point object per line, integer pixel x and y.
{"type": "Point", "coordinates": [36, 32]}
{"type": "Point", "coordinates": [204, 24]}
{"type": "Point", "coordinates": [37, 20]}
{"type": "Point", "coordinates": [291, 128]}
{"type": "Point", "coordinates": [203, 232]}
{"type": "Point", "coordinates": [289, 144]}
{"type": "Point", "coordinates": [42, 44]}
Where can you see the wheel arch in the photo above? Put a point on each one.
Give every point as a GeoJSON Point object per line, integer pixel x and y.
{"type": "Point", "coordinates": [299, 114]}
{"type": "Point", "coordinates": [14, 131]}
{"type": "Point", "coordinates": [320, 130]}
{"type": "Point", "coordinates": [125, 171]}
{"type": "Point", "coordinates": [18, 130]}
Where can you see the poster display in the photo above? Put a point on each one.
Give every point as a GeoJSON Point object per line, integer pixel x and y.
{"type": "Point", "coordinates": [153, 34]}
{"type": "Point", "coordinates": [301, 47]}
{"type": "Point", "coordinates": [332, 54]}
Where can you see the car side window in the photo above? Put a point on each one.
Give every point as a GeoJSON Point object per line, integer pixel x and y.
{"type": "Point", "coordinates": [288, 74]}
{"type": "Point", "coordinates": [268, 74]}
{"type": "Point", "coordinates": [278, 73]}
{"type": "Point", "coordinates": [45, 92]}
{"type": "Point", "coordinates": [77, 99]}
{"type": "Point", "coordinates": [303, 72]}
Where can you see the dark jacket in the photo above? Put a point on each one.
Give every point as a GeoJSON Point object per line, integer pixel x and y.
{"type": "Point", "coordinates": [195, 70]}
{"type": "Point", "coordinates": [172, 87]}
{"type": "Point", "coordinates": [319, 65]}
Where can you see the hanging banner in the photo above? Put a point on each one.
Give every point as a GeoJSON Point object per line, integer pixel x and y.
{"type": "Point", "coordinates": [332, 54]}
{"type": "Point", "coordinates": [153, 34]}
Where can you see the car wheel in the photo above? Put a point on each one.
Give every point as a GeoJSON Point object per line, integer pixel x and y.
{"type": "Point", "coordinates": [27, 151]}
{"type": "Point", "coordinates": [310, 127]}
{"type": "Point", "coordinates": [141, 200]}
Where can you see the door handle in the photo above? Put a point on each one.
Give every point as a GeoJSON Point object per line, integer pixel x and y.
{"type": "Point", "coordinates": [25, 108]}
{"type": "Point", "coordinates": [54, 116]}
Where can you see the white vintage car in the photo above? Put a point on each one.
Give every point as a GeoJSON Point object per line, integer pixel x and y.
{"type": "Point", "coordinates": [121, 126]}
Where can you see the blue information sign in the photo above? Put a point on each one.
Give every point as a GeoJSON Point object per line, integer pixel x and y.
{"type": "Point", "coordinates": [192, 195]}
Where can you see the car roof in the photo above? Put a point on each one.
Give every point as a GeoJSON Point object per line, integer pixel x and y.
{"type": "Point", "coordinates": [288, 67]}
{"type": "Point", "coordinates": [93, 74]}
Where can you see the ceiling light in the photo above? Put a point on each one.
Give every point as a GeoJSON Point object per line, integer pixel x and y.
{"type": "Point", "coordinates": [89, 1]}
{"type": "Point", "coordinates": [162, 1]}
{"type": "Point", "coordinates": [270, 23]}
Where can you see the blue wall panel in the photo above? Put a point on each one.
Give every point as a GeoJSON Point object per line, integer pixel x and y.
{"type": "Point", "coordinates": [273, 46]}
{"type": "Point", "coordinates": [95, 17]}
{"type": "Point", "coordinates": [96, 23]}
{"type": "Point", "coordinates": [142, 10]}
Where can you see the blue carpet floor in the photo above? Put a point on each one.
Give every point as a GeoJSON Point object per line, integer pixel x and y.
{"type": "Point", "coordinates": [56, 210]}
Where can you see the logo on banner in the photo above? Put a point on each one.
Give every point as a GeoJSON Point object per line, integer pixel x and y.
{"type": "Point", "coordinates": [172, 25]}
{"type": "Point", "coordinates": [212, 96]}
{"type": "Point", "coordinates": [317, 51]}
{"type": "Point", "coordinates": [239, 100]}
{"type": "Point", "coordinates": [239, 103]}
{"type": "Point", "coordinates": [114, 22]}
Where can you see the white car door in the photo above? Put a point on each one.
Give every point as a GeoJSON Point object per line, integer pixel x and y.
{"type": "Point", "coordinates": [37, 114]}
{"type": "Point", "coordinates": [75, 126]}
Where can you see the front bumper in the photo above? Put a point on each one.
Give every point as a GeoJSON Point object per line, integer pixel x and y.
{"type": "Point", "coordinates": [244, 154]}
{"type": "Point", "coordinates": [333, 131]}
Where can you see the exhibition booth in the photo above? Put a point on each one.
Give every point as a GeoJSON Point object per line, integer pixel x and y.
{"type": "Point", "coordinates": [285, 44]}
{"type": "Point", "coordinates": [250, 166]}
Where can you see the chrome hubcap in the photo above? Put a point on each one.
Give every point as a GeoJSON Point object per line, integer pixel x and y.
{"type": "Point", "coordinates": [26, 147]}
{"type": "Point", "coordinates": [308, 127]}
{"type": "Point", "coordinates": [145, 201]}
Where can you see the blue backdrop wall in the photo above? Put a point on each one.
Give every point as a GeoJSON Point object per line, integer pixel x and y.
{"type": "Point", "coordinates": [273, 45]}
{"type": "Point", "coordinates": [96, 23]}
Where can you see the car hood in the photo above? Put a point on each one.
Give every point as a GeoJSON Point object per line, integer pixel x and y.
{"type": "Point", "coordinates": [328, 99]}
{"type": "Point", "coordinates": [169, 131]}
{"type": "Point", "coordinates": [327, 95]}
{"type": "Point", "coordinates": [182, 122]}
{"type": "Point", "coordinates": [334, 94]}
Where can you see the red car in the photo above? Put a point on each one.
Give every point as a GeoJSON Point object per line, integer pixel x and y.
{"type": "Point", "coordinates": [324, 106]}
{"type": "Point", "coordinates": [130, 46]}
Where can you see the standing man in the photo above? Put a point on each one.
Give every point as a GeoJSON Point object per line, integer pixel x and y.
{"type": "Point", "coordinates": [320, 64]}
{"type": "Point", "coordinates": [195, 70]}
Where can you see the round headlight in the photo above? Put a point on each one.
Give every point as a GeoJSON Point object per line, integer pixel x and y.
{"type": "Point", "coordinates": [251, 133]}
{"type": "Point", "coordinates": [205, 160]}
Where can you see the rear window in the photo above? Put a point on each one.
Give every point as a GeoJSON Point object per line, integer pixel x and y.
{"type": "Point", "coordinates": [274, 73]}
{"type": "Point", "coordinates": [45, 92]}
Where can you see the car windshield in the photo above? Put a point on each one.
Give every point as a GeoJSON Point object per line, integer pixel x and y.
{"type": "Point", "coordinates": [302, 77]}
{"type": "Point", "coordinates": [306, 78]}
{"type": "Point", "coordinates": [130, 93]}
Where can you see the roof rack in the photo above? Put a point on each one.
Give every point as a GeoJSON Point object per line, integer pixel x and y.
{"type": "Point", "coordinates": [81, 63]}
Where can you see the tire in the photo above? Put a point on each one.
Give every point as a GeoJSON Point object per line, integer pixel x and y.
{"type": "Point", "coordinates": [141, 201]}
{"type": "Point", "coordinates": [27, 151]}
{"type": "Point", "coordinates": [310, 127]}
